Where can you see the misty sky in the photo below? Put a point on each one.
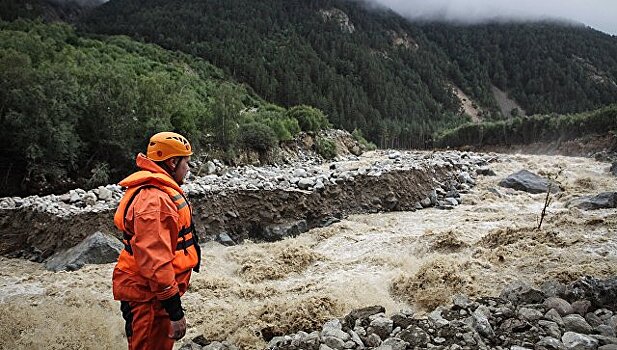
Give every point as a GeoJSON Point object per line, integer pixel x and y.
{"type": "Point", "coordinates": [599, 14]}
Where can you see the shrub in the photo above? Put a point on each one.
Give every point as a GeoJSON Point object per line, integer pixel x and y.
{"type": "Point", "coordinates": [257, 136]}
{"type": "Point", "coordinates": [325, 148]}
{"type": "Point", "coordinates": [309, 118]}
{"type": "Point", "coordinates": [357, 135]}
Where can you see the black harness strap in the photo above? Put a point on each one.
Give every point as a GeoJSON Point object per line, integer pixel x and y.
{"type": "Point", "coordinates": [127, 234]}
{"type": "Point", "coordinates": [183, 232]}
{"type": "Point", "coordinates": [195, 238]}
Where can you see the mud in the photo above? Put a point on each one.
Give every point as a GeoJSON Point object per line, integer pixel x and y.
{"type": "Point", "coordinates": [402, 260]}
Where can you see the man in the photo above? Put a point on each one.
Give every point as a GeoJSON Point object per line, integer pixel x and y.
{"type": "Point", "coordinates": [161, 245]}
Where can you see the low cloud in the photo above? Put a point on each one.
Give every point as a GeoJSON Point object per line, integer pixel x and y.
{"type": "Point", "coordinates": [599, 14]}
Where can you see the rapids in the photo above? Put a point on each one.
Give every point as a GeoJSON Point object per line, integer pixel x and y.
{"type": "Point", "coordinates": [401, 260]}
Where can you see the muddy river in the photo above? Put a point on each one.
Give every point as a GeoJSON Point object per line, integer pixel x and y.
{"type": "Point", "coordinates": [401, 260]}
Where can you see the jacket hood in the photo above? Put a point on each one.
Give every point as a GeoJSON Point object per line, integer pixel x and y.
{"type": "Point", "coordinates": [150, 172]}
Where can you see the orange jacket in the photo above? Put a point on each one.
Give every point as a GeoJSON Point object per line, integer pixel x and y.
{"type": "Point", "coordinates": [160, 243]}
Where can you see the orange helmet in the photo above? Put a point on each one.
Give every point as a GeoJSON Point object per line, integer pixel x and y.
{"type": "Point", "coordinates": [165, 145]}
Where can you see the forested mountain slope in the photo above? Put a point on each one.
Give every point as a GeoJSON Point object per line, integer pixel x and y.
{"type": "Point", "coordinates": [372, 69]}
{"type": "Point", "coordinates": [365, 69]}
{"type": "Point", "coordinates": [546, 68]}
{"type": "Point", "coordinates": [76, 110]}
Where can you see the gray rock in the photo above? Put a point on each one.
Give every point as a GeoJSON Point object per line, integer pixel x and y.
{"type": "Point", "coordinates": [324, 347]}
{"type": "Point", "coordinates": [299, 173]}
{"type": "Point", "coordinates": [18, 202]}
{"type": "Point", "coordinates": [66, 198]}
{"type": "Point", "coordinates": [484, 171]}
{"type": "Point", "coordinates": [401, 320]}
{"type": "Point", "coordinates": [104, 194]}
{"type": "Point", "coordinates": [7, 203]}
{"type": "Point", "coordinates": [210, 168]}
{"type": "Point", "coordinates": [349, 344]}
{"type": "Point", "coordinates": [593, 319]}
{"type": "Point", "coordinates": [372, 340]}
{"type": "Point", "coordinates": [576, 323]}
{"type": "Point", "coordinates": [190, 345]}
{"type": "Point", "coordinates": [302, 340]}
{"type": "Point", "coordinates": [280, 341]}
{"type": "Point", "coordinates": [520, 293]}
{"type": "Point", "coordinates": [333, 328]}
{"type": "Point", "coordinates": [394, 344]}
{"type": "Point", "coordinates": [553, 288]}
{"type": "Point", "coordinates": [604, 340]}
{"type": "Point", "coordinates": [601, 293]}
{"type": "Point", "coordinates": [277, 232]}
{"type": "Point", "coordinates": [554, 316]}
{"type": "Point", "coordinates": [527, 181]}
{"type": "Point", "coordinates": [581, 307]}
{"type": "Point", "coordinates": [415, 336]}
{"type": "Point", "coordinates": [74, 197]}
{"type": "Point", "coordinates": [225, 239]}
{"type": "Point", "coordinates": [528, 314]}
{"type": "Point", "coordinates": [362, 314]}
{"type": "Point", "coordinates": [469, 339]}
{"type": "Point", "coordinates": [426, 202]}
{"type": "Point", "coordinates": [600, 201]}
{"type": "Point", "coordinates": [98, 248]}
{"type": "Point", "coordinates": [608, 347]}
{"type": "Point", "coordinates": [461, 301]}
{"type": "Point", "coordinates": [550, 343]}
{"type": "Point", "coordinates": [437, 319]}
{"type": "Point", "coordinates": [306, 183]}
{"type": "Point", "coordinates": [560, 305]}
{"type": "Point", "coordinates": [333, 342]}
{"type": "Point", "coordinates": [356, 338]}
{"type": "Point", "coordinates": [612, 322]}
{"type": "Point", "coordinates": [604, 314]}
{"type": "Point", "coordinates": [381, 326]}
{"type": "Point", "coordinates": [394, 155]}
{"type": "Point", "coordinates": [579, 341]}
{"type": "Point", "coordinates": [481, 323]}
{"type": "Point", "coordinates": [465, 178]}
{"type": "Point", "coordinates": [613, 169]}
{"type": "Point", "coordinates": [433, 197]}
{"type": "Point", "coordinates": [551, 328]}
{"type": "Point", "coordinates": [451, 201]}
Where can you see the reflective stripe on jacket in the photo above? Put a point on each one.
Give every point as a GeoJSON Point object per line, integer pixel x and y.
{"type": "Point", "coordinates": [161, 245]}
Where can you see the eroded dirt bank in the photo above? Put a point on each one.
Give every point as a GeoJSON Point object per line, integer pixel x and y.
{"type": "Point", "coordinates": [413, 260]}
{"type": "Point", "coordinates": [371, 183]}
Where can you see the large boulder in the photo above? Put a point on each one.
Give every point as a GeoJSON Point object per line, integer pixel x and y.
{"type": "Point", "coordinates": [98, 248]}
{"type": "Point", "coordinates": [519, 293]}
{"type": "Point", "coordinates": [601, 201]}
{"type": "Point", "coordinates": [527, 181]}
{"type": "Point", "coordinates": [362, 314]}
{"type": "Point", "coordinates": [274, 233]}
{"type": "Point", "coordinates": [601, 293]}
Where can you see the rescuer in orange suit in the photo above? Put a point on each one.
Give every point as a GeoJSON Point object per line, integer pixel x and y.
{"type": "Point", "coordinates": [161, 245]}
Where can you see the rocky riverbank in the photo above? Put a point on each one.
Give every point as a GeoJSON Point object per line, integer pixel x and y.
{"type": "Point", "coordinates": [580, 315]}
{"type": "Point", "coordinates": [257, 203]}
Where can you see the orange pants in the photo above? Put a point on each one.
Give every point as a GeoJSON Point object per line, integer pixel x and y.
{"type": "Point", "coordinates": [147, 325]}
